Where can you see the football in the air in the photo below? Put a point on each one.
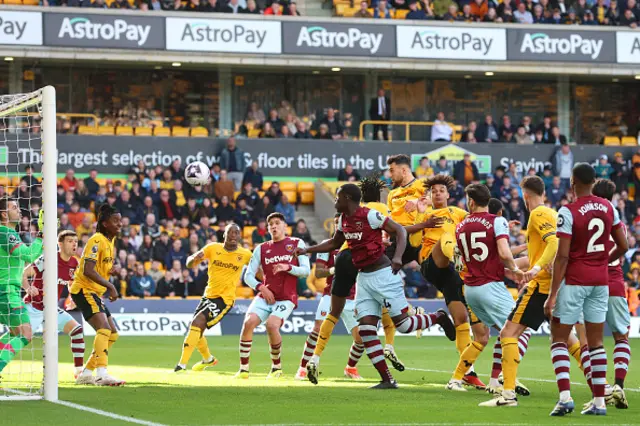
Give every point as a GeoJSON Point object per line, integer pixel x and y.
{"type": "Point", "coordinates": [197, 173]}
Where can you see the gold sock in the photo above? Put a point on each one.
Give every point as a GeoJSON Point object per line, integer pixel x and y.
{"type": "Point", "coordinates": [91, 362]}
{"type": "Point", "coordinates": [190, 344]}
{"type": "Point", "coordinates": [389, 328]}
{"type": "Point", "coordinates": [510, 362]}
{"type": "Point", "coordinates": [203, 348]}
{"type": "Point", "coordinates": [325, 333]}
{"type": "Point", "coordinates": [101, 347]}
{"type": "Point", "coordinates": [463, 337]}
{"type": "Point", "coordinates": [574, 350]}
{"type": "Point", "coordinates": [467, 358]}
{"type": "Point", "coordinates": [113, 338]}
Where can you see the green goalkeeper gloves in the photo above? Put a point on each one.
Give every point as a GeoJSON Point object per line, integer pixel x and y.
{"type": "Point", "coordinates": [41, 221]}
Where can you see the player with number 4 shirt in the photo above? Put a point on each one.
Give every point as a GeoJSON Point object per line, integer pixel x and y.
{"type": "Point", "coordinates": [579, 287]}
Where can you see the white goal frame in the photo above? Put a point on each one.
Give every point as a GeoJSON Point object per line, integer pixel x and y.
{"type": "Point", "coordinates": [45, 99]}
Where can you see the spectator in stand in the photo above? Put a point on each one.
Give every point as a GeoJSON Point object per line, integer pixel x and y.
{"type": "Point", "coordinates": [155, 272]}
{"type": "Point", "coordinates": [600, 11]}
{"type": "Point", "coordinates": [514, 174]}
{"type": "Point", "coordinates": [292, 10]}
{"type": "Point", "coordinates": [64, 223]}
{"type": "Point", "coordinates": [155, 5]}
{"type": "Point", "coordinates": [620, 175]}
{"type": "Point", "coordinates": [224, 187]}
{"type": "Point", "coordinates": [629, 19]}
{"type": "Point", "coordinates": [363, 12]}
{"type": "Point", "coordinates": [562, 163]}
{"type": "Point", "coordinates": [334, 127]}
{"type": "Point", "coordinates": [176, 252]}
{"type": "Point", "coordinates": [506, 126]}
{"type": "Point", "coordinates": [613, 13]}
{"type": "Point", "coordinates": [85, 227]}
{"type": "Point", "coordinates": [69, 181]}
{"type": "Point", "coordinates": [466, 15]}
{"type": "Point", "coordinates": [556, 138]}
{"type": "Point", "coordinates": [96, 4]}
{"type": "Point", "coordinates": [538, 137]}
{"type": "Point", "coordinates": [471, 128]}
{"type": "Point", "coordinates": [126, 208]}
{"type": "Point", "coordinates": [260, 234]}
{"type": "Point", "coordinates": [233, 7]}
{"type": "Point", "coordinates": [243, 216]}
{"type": "Point", "coordinates": [522, 15]}
{"type": "Point", "coordinates": [323, 132]}
{"type": "Point", "coordinates": [348, 174]}
{"type": "Point", "coordinates": [301, 231]}
{"type": "Point", "coordinates": [212, 6]}
{"type": "Point", "coordinates": [224, 211]}
{"type": "Point", "coordinates": [145, 252]}
{"type": "Point", "coordinates": [178, 195]}
{"type": "Point", "coordinates": [380, 110]}
{"type": "Point", "coordinates": [381, 12]}
{"type": "Point", "coordinates": [166, 209]}
{"type": "Point", "coordinates": [416, 14]}
{"type": "Point", "coordinates": [546, 126]}
{"type": "Point", "coordinates": [252, 8]}
{"type": "Point", "coordinates": [206, 232]}
{"type": "Point", "coordinates": [479, 8]}
{"type": "Point", "coordinates": [466, 171]}
{"type": "Point", "coordinates": [441, 131]}
{"type": "Point", "coordinates": [604, 170]}
{"type": "Point", "coordinates": [515, 210]}
{"type": "Point", "coordinates": [442, 167]}
{"type": "Point", "coordinates": [141, 284]}
{"type": "Point", "coordinates": [287, 210]}
{"type": "Point", "coordinates": [491, 16]}
{"type": "Point", "coordinates": [232, 160]}
{"type": "Point", "coordinates": [452, 14]}
{"type": "Point", "coordinates": [547, 177]}
{"type": "Point", "coordinates": [487, 131]}
{"type": "Point", "coordinates": [179, 285]}
{"type": "Point", "coordinates": [301, 131]}
{"type": "Point", "coordinates": [507, 136]}
{"type": "Point", "coordinates": [502, 5]}
{"type": "Point", "coordinates": [161, 248]}
{"type": "Point", "coordinates": [588, 18]}
{"type": "Point", "coordinates": [571, 18]}
{"type": "Point", "coordinates": [249, 195]}
{"type": "Point", "coordinates": [274, 193]}
{"type": "Point", "coordinates": [150, 227]}
{"type": "Point", "coordinates": [521, 136]}
{"type": "Point", "coordinates": [166, 285]}
{"type": "Point", "coordinates": [276, 10]}
{"type": "Point", "coordinates": [424, 169]}
{"type": "Point", "coordinates": [555, 192]}
{"type": "Point", "coordinates": [255, 113]}
{"type": "Point", "coordinates": [148, 208]}
{"type": "Point", "coordinates": [253, 176]}
{"type": "Point", "coordinates": [263, 209]}
{"type": "Point", "coordinates": [275, 121]}
{"type": "Point", "coordinates": [507, 15]}
{"type": "Point", "coordinates": [91, 184]}
{"type": "Point", "coordinates": [538, 14]}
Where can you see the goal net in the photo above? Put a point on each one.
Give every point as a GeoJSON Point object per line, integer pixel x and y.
{"type": "Point", "coordinates": [28, 366]}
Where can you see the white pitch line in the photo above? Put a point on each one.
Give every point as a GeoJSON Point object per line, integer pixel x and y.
{"type": "Point", "coordinates": [107, 414]}
{"type": "Point", "coordinates": [529, 379]}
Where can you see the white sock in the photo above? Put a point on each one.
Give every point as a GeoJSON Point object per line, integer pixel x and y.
{"type": "Point", "coordinates": [315, 359]}
{"type": "Point", "coordinates": [470, 370]}
{"type": "Point", "coordinates": [494, 383]}
{"type": "Point", "coordinates": [101, 371]}
{"type": "Point", "coordinates": [210, 359]}
{"type": "Point", "coordinates": [183, 366]}
{"type": "Point", "coordinates": [389, 347]}
{"type": "Point", "coordinates": [276, 366]}
{"type": "Point", "coordinates": [599, 402]}
{"type": "Point", "coordinates": [565, 396]}
{"type": "Point", "coordinates": [509, 394]}
{"type": "Point", "coordinates": [87, 372]}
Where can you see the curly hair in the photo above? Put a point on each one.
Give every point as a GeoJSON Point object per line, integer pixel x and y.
{"type": "Point", "coordinates": [439, 180]}
{"type": "Point", "coordinates": [105, 212]}
{"type": "Point", "coordinates": [604, 188]}
{"type": "Point", "coordinates": [371, 186]}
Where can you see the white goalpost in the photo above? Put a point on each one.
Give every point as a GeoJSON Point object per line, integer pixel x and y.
{"type": "Point", "coordinates": [28, 125]}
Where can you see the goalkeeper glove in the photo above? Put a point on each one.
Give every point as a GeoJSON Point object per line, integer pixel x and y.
{"type": "Point", "coordinates": [41, 221]}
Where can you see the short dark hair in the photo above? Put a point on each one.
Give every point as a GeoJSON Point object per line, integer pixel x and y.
{"type": "Point", "coordinates": [352, 191]}
{"type": "Point", "coordinates": [399, 159]}
{"type": "Point", "coordinates": [104, 213]}
{"type": "Point", "coordinates": [371, 186]}
{"type": "Point", "coordinates": [604, 188]}
{"type": "Point", "coordinates": [534, 184]}
{"type": "Point", "coordinates": [439, 180]}
{"type": "Point", "coordinates": [66, 233]}
{"type": "Point", "coordinates": [276, 215]}
{"type": "Point", "coordinates": [584, 173]}
{"type": "Point", "coordinates": [495, 206]}
{"type": "Point", "coordinates": [479, 193]}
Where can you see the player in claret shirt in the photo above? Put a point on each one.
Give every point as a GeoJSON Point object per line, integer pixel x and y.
{"type": "Point", "coordinates": [378, 283]}
{"type": "Point", "coordinates": [580, 284]}
{"type": "Point", "coordinates": [277, 296]}
{"type": "Point", "coordinates": [618, 317]}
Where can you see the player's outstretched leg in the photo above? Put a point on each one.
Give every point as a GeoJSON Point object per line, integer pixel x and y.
{"type": "Point", "coordinates": [621, 357]}
{"type": "Point", "coordinates": [511, 331]}
{"type": "Point", "coordinates": [355, 353]}
{"type": "Point", "coordinates": [389, 340]}
{"type": "Point", "coordinates": [246, 340]}
{"type": "Point", "coordinates": [275, 344]}
{"type": "Point", "coordinates": [368, 330]}
{"type": "Point", "coordinates": [467, 359]}
{"type": "Point", "coordinates": [307, 351]}
{"type": "Point", "coordinates": [76, 334]}
{"type": "Point", "coordinates": [326, 330]}
{"type": "Point", "coordinates": [11, 343]}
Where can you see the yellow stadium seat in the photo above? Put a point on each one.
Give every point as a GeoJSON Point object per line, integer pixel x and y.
{"type": "Point", "coordinates": [307, 197]}
{"type": "Point", "coordinates": [124, 131]}
{"type": "Point", "coordinates": [13, 2]}
{"type": "Point", "coordinates": [289, 230]}
{"type": "Point", "coordinates": [247, 231]}
{"type": "Point", "coordinates": [199, 132]}
{"type": "Point", "coordinates": [144, 131]}
{"type": "Point", "coordinates": [266, 185]}
{"type": "Point", "coordinates": [611, 140]}
{"type": "Point", "coordinates": [632, 192]}
{"type": "Point", "coordinates": [106, 130]}
{"type": "Point", "coordinates": [147, 265]}
{"type": "Point", "coordinates": [180, 131]}
{"type": "Point", "coordinates": [254, 133]}
{"type": "Point", "coordinates": [161, 131]}
{"type": "Point", "coordinates": [31, 2]}
{"type": "Point", "coordinates": [340, 9]}
{"type": "Point", "coordinates": [235, 195]}
{"type": "Point", "coordinates": [629, 141]}
{"type": "Point", "coordinates": [291, 195]}
{"type": "Point", "coordinates": [87, 130]}
{"type": "Point", "coordinates": [287, 186]}
{"type": "Point", "coordinates": [5, 181]}
{"type": "Point", "coordinates": [306, 186]}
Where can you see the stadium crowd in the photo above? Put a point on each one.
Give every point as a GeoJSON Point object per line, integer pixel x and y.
{"type": "Point", "coordinates": [165, 219]}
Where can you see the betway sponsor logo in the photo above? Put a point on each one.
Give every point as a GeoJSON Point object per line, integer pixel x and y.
{"type": "Point", "coordinates": [573, 44]}
{"type": "Point", "coordinates": [287, 258]}
{"type": "Point", "coordinates": [353, 235]}
{"type": "Point", "coordinates": [119, 29]}
{"type": "Point", "coordinates": [238, 33]}
{"type": "Point", "coordinates": [352, 38]}
{"type": "Point", "coordinates": [464, 41]}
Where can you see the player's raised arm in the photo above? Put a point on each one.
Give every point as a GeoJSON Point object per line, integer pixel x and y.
{"type": "Point", "coordinates": [322, 261]}
{"type": "Point", "coordinates": [195, 258]}
{"type": "Point", "coordinates": [394, 228]}
{"type": "Point", "coordinates": [331, 244]}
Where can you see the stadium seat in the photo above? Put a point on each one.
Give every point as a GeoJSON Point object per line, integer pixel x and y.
{"type": "Point", "coordinates": [287, 186]}
{"type": "Point", "coordinates": [611, 140]}
{"type": "Point", "coordinates": [291, 195]}
{"type": "Point", "coordinates": [13, 2]}
{"type": "Point", "coordinates": [629, 141]}
{"type": "Point", "coordinates": [266, 185]}
{"type": "Point", "coordinates": [199, 132]}
{"type": "Point", "coordinates": [306, 186]}
{"type": "Point", "coordinates": [254, 133]}
{"type": "Point", "coordinates": [289, 230]}
{"type": "Point", "coordinates": [247, 231]}
{"type": "Point", "coordinates": [400, 14]}
{"type": "Point", "coordinates": [106, 130]}
{"type": "Point", "coordinates": [144, 131]}
{"type": "Point", "coordinates": [162, 131]}
{"type": "Point", "coordinates": [147, 265]}
{"type": "Point", "coordinates": [124, 131]}
{"type": "Point", "coordinates": [235, 195]}
{"type": "Point", "coordinates": [307, 197]}
{"type": "Point", "coordinates": [179, 131]}
{"type": "Point", "coordinates": [31, 2]}
{"type": "Point", "coordinates": [87, 130]}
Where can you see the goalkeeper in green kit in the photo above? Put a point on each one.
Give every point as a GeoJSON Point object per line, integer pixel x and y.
{"type": "Point", "coordinates": [14, 254]}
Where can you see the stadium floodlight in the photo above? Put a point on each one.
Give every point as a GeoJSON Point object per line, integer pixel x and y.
{"type": "Point", "coordinates": [28, 132]}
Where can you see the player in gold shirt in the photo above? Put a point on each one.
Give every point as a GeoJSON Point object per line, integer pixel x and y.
{"type": "Point", "coordinates": [90, 282]}
{"type": "Point", "coordinates": [226, 262]}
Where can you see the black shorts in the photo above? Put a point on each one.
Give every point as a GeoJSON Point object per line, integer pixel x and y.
{"type": "Point", "coordinates": [529, 308]}
{"type": "Point", "coordinates": [213, 309]}
{"type": "Point", "coordinates": [446, 280]}
{"type": "Point", "coordinates": [346, 273]}
{"type": "Point", "coordinates": [89, 304]}
{"type": "Point", "coordinates": [410, 253]}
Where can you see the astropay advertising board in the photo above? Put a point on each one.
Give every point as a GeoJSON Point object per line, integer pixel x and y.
{"type": "Point", "coordinates": [464, 43]}
{"type": "Point", "coordinates": [223, 35]}
{"type": "Point", "coordinates": [628, 47]}
{"type": "Point", "coordinates": [22, 28]}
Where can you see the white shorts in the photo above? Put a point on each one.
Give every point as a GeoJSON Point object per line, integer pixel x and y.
{"type": "Point", "coordinates": [574, 300]}
{"type": "Point", "coordinates": [348, 315]}
{"type": "Point", "coordinates": [377, 289]}
{"type": "Point", "coordinates": [36, 318]}
{"type": "Point", "coordinates": [263, 310]}
{"type": "Point", "coordinates": [618, 316]}
{"type": "Point", "coordinates": [491, 303]}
